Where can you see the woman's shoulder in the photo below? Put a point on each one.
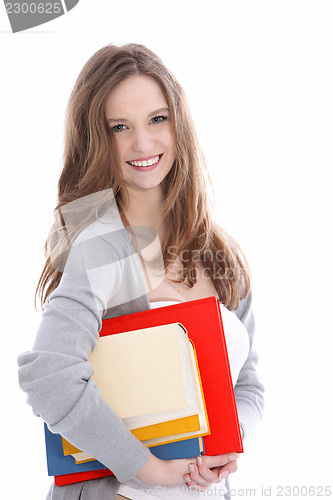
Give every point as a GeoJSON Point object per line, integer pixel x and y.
{"type": "Point", "coordinates": [110, 222]}
{"type": "Point", "coordinates": [102, 241]}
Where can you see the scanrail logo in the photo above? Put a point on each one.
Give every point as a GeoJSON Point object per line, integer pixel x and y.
{"type": "Point", "coordinates": [24, 14]}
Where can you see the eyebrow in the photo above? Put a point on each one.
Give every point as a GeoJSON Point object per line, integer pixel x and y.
{"type": "Point", "coordinates": [153, 113]}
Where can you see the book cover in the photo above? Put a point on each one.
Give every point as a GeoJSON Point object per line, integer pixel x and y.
{"type": "Point", "coordinates": [146, 375]}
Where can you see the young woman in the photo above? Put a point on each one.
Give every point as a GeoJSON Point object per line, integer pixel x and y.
{"type": "Point", "coordinates": [132, 171]}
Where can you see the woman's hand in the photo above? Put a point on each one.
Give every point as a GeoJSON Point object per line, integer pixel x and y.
{"type": "Point", "coordinates": [210, 469]}
{"type": "Point", "coordinates": [166, 473]}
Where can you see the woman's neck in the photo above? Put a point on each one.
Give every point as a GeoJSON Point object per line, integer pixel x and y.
{"type": "Point", "coordinates": [145, 209]}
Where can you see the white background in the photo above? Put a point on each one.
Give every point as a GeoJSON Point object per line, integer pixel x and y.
{"type": "Point", "coordinates": [259, 78]}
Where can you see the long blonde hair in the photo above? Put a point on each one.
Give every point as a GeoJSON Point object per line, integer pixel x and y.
{"type": "Point", "coordinates": [91, 165]}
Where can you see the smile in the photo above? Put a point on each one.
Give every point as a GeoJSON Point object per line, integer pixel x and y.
{"type": "Point", "coordinates": [145, 163]}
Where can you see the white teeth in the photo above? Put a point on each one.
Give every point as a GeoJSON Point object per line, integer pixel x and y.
{"type": "Point", "coordinates": [145, 163]}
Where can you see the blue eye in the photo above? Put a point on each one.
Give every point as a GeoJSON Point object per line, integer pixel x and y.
{"type": "Point", "coordinates": [159, 119]}
{"type": "Point", "coordinates": [118, 128]}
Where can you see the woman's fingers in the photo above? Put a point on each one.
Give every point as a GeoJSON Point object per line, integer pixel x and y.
{"type": "Point", "coordinates": [200, 475]}
{"type": "Point", "coordinates": [194, 480]}
{"type": "Point", "coordinates": [227, 469]}
{"type": "Point", "coordinates": [220, 460]}
{"type": "Point", "coordinates": [205, 472]}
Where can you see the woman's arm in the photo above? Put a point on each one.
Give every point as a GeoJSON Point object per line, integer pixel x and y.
{"type": "Point", "coordinates": [249, 390]}
{"type": "Point", "coordinates": [56, 373]}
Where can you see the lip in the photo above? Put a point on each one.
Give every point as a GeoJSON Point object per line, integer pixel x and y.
{"type": "Point", "coordinates": [148, 168]}
{"type": "Point", "coordinates": [145, 158]}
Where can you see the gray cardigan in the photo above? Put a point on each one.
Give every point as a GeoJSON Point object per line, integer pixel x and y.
{"type": "Point", "coordinates": [102, 279]}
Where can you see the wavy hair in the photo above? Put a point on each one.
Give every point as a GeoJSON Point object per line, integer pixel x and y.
{"type": "Point", "coordinates": [91, 165]}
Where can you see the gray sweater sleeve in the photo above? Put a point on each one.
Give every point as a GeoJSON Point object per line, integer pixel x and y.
{"type": "Point", "coordinates": [249, 390]}
{"type": "Point", "coordinates": [56, 373]}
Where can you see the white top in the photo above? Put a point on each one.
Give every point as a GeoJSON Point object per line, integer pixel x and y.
{"type": "Point", "coordinates": [238, 345]}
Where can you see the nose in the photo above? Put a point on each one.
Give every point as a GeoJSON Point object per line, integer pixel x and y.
{"type": "Point", "coordinates": [142, 141]}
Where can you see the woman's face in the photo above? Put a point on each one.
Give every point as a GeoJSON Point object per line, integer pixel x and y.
{"type": "Point", "coordinates": [138, 115]}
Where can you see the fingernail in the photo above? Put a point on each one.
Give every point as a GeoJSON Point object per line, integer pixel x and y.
{"type": "Point", "coordinates": [199, 460]}
{"type": "Point", "coordinates": [187, 479]}
{"type": "Point", "coordinates": [224, 474]}
{"type": "Point", "coordinates": [191, 467]}
{"type": "Point", "coordinates": [234, 456]}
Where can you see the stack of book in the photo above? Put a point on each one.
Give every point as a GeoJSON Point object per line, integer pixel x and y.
{"type": "Point", "coordinates": [166, 373]}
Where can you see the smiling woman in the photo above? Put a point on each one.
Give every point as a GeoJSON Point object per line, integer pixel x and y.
{"type": "Point", "coordinates": [132, 160]}
{"type": "Point", "coordinates": [96, 155]}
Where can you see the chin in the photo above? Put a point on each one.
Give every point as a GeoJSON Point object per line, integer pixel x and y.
{"type": "Point", "coordinates": [149, 184]}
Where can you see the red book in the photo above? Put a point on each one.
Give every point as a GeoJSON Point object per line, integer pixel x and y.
{"type": "Point", "coordinates": [77, 477]}
{"type": "Point", "coordinates": [203, 322]}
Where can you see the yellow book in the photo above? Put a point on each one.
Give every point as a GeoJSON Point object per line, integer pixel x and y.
{"type": "Point", "coordinates": [81, 457]}
{"type": "Point", "coordinates": [172, 427]}
{"type": "Point", "coordinates": [179, 425]}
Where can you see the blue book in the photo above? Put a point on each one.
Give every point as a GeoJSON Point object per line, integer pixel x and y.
{"type": "Point", "coordinates": [58, 464]}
